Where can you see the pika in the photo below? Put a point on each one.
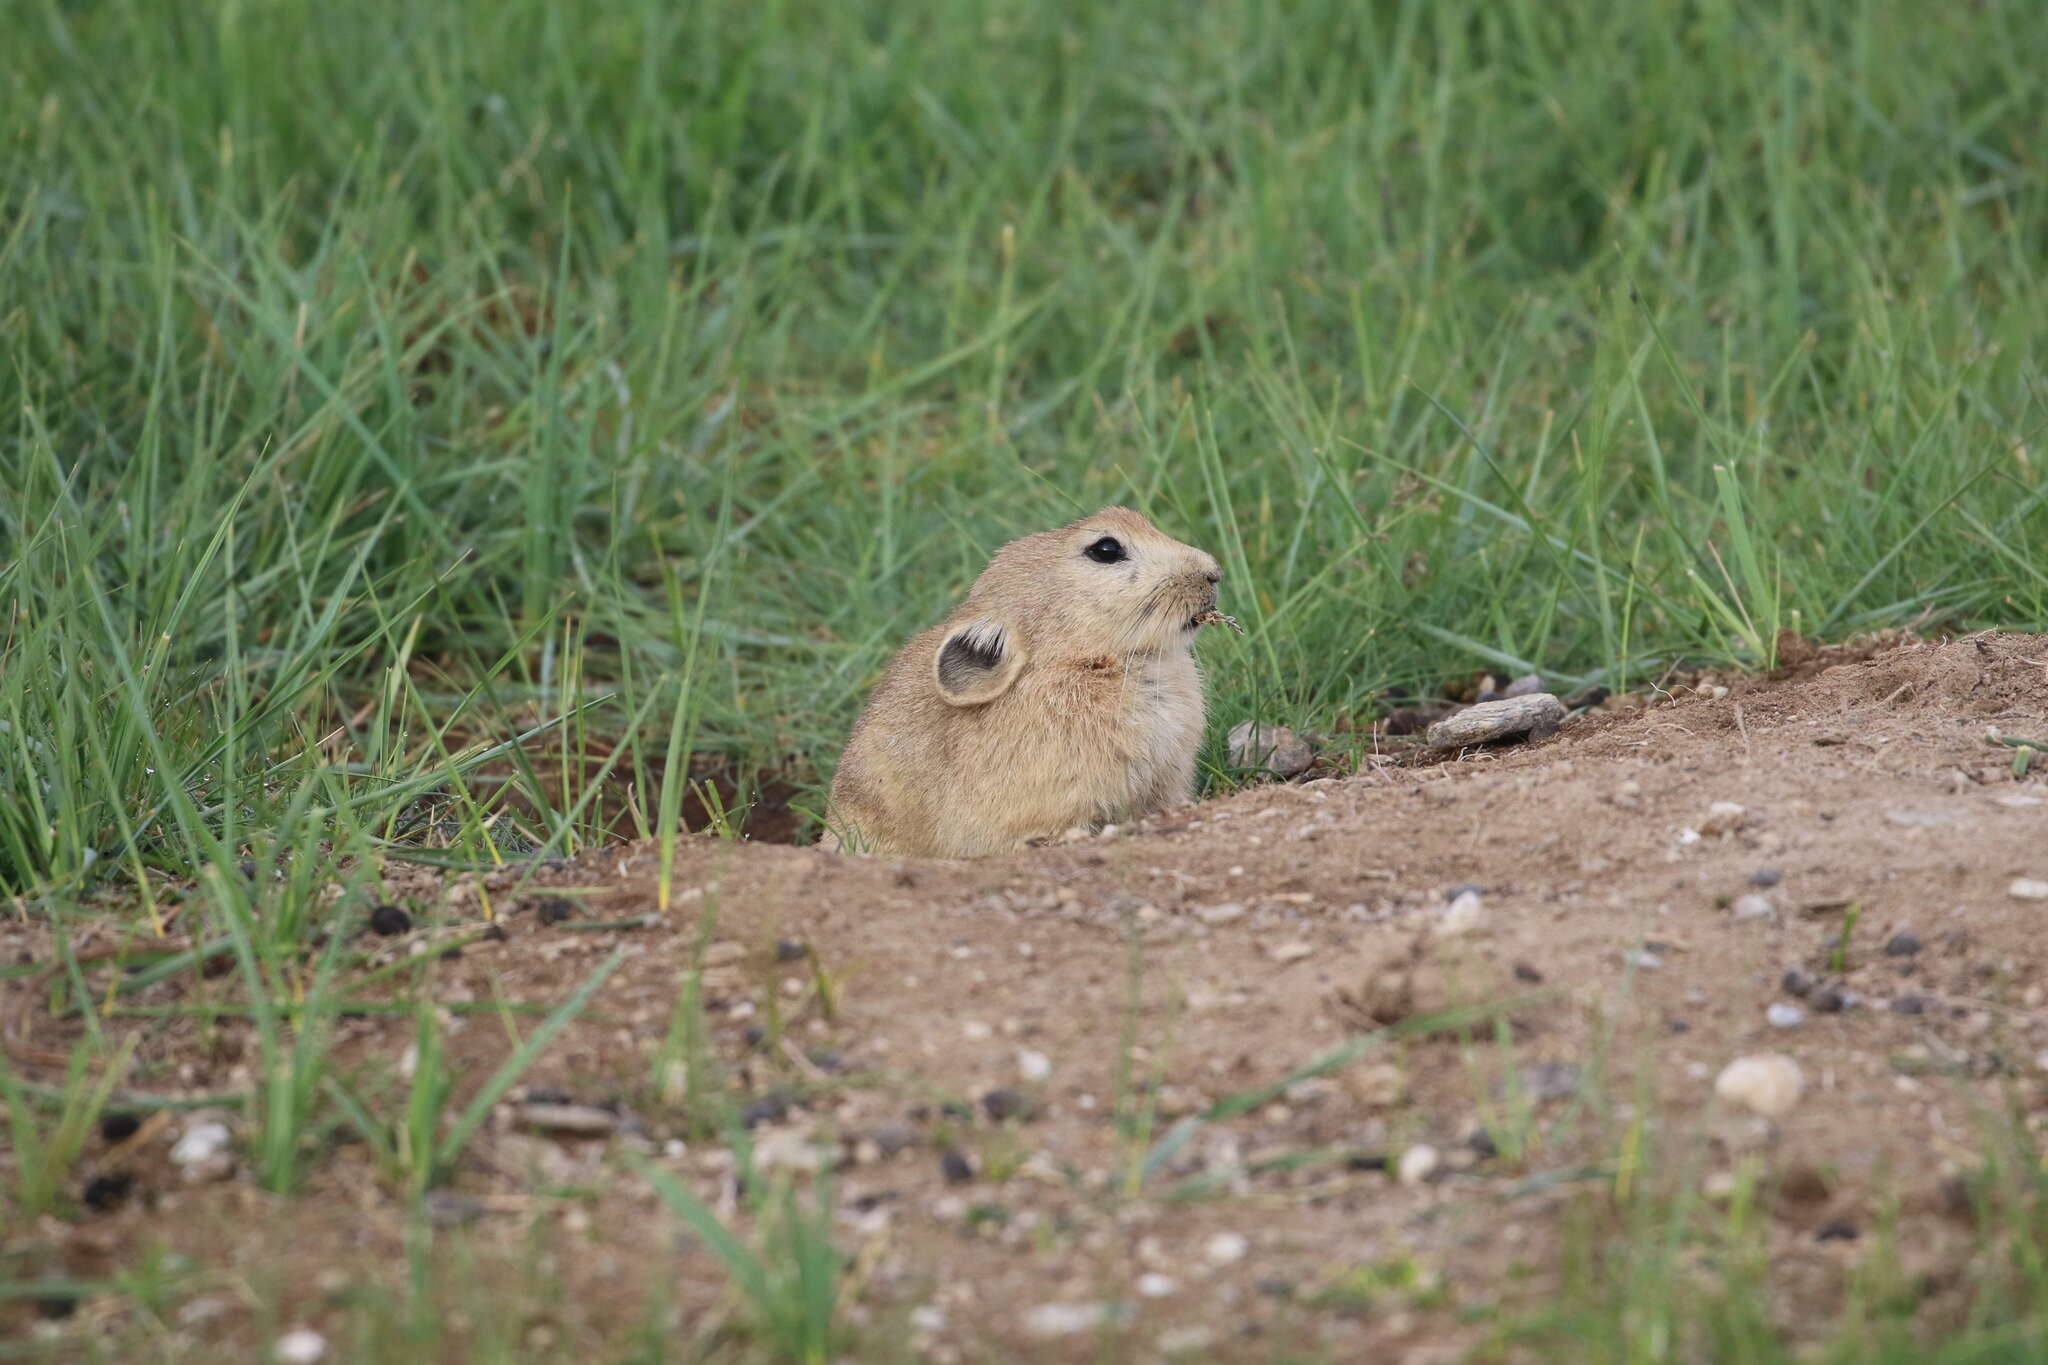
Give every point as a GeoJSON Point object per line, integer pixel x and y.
{"type": "Point", "coordinates": [1063, 691]}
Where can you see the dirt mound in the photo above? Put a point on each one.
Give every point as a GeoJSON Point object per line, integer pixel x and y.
{"type": "Point", "coordinates": [1090, 1089]}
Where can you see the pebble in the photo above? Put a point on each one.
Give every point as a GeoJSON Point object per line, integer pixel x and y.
{"type": "Point", "coordinates": [1548, 1081]}
{"type": "Point", "coordinates": [1796, 982]}
{"type": "Point", "coordinates": [976, 1031]}
{"type": "Point", "coordinates": [955, 1167]}
{"type": "Point", "coordinates": [1754, 906]}
{"type": "Point", "coordinates": [1153, 1285]}
{"type": "Point", "coordinates": [1783, 1015]}
{"type": "Point", "coordinates": [1063, 1319]}
{"type": "Point", "coordinates": [2028, 889]}
{"type": "Point", "coordinates": [1902, 944]}
{"type": "Point", "coordinates": [1226, 1248]}
{"type": "Point", "coordinates": [1836, 1230]}
{"type": "Point", "coordinates": [1033, 1066]}
{"type": "Point", "coordinates": [1830, 1001]}
{"type": "Point", "coordinates": [1908, 1004]}
{"type": "Point", "coordinates": [1536, 713]}
{"type": "Point", "coordinates": [1006, 1104]}
{"type": "Point", "coordinates": [1219, 914]}
{"type": "Point", "coordinates": [388, 920]}
{"type": "Point", "coordinates": [1723, 817]}
{"type": "Point", "coordinates": [1766, 877]}
{"type": "Point", "coordinates": [568, 1120]}
{"type": "Point", "coordinates": [1466, 914]}
{"type": "Point", "coordinates": [1418, 1164]}
{"type": "Point", "coordinates": [1379, 1085]}
{"type": "Point", "coordinates": [1294, 950]}
{"type": "Point", "coordinates": [300, 1346]}
{"type": "Point", "coordinates": [1768, 1084]}
{"type": "Point", "coordinates": [1273, 747]}
{"type": "Point", "coordinates": [202, 1152]}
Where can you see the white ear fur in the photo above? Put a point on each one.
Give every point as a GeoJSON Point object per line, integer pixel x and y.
{"type": "Point", "coordinates": [976, 663]}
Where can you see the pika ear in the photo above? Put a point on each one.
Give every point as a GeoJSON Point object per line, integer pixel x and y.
{"type": "Point", "coordinates": [977, 663]}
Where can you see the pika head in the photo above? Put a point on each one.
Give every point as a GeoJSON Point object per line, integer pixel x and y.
{"type": "Point", "coordinates": [1062, 691]}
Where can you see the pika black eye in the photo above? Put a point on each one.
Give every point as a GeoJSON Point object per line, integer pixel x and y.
{"type": "Point", "coordinates": [1108, 550]}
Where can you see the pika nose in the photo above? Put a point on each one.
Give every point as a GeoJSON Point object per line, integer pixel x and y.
{"type": "Point", "coordinates": [1214, 573]}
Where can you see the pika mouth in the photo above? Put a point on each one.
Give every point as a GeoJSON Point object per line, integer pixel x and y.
{"type": "Point", "coordinates": [1204, 613]}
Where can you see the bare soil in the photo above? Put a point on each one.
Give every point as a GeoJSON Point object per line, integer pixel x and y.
{"type": "Point", "coordinates": [1048, 1018]}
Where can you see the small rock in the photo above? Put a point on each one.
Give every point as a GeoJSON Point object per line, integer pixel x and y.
{"type": "Point", "coordinates": [1754, 906]}
{"type": "Point", "coordinates": [566, 1120]}
{"type": "Point", "coordinates": [772, 1107]}
{"type": "Point", "coordinates": [955, 1168]}
{"type": "Point", "coordinates": [1766, 877]}
{"type": "Point", "coordinates": [1836, 1230]}
{"type": "Point", "coordinates": [300, 1346]}
{"type": "Point", "coordinates": [1829, 1001]}
{"type": "Point", "coordinates": [202, 1153]}
{"type": "Point", "coordinates": [1033, 1066]}
{"type": "Point", "coordinates": [1226, 1248]}
{"type": "Point", "coordinates": [116, 1127]}
{"type": "Point", "coordinates": [1418, 1164]}
{"type": "Point", "coordinates": [1723, 817]}
{"type": "Point", "coordinates": [1153, 1285]}
{"type": "Point", "coordinates": [1535, 714]}
{"type": "Point", "coordinates": [1219, 914]}
{"type": "Point", "coordinates": [1293, 950]}
{"type": "Point", "coordinates": [789, 1149]}
{"type": "Point", "coordinates": [1273, 747]}
{"type": "Point", "coordinates": [1796, 982]}
{"type": "Point", "coordinates": [1768, 1084]}
{"type": "Point", "coordinates": [1006, 1104]}
{"type": "Point", "coordinates": [723, 953]}
{"type": "Point", "coordinates": [388, 920]}
{"type": "Point", "coordinates": [976, 1031]}
{"type": "Point", "coordinates": [1465, 915]}
{"type": "Point", "coordinates": [2028, 889]}
{"type": "Point", "coordinates": [1523, 686]}
{"type": "Point", "coordinates": [1908, 1004]}
{"type": "Point", "coordinates": [103, 1192]}
{"type": "Point", "coordinates": [1378, 1086]}
{"type": "Point", "coordinates": [1782, 1015]}
{"type": "Point", "coordinates": [554, 910]}
{"type": "Point", "coordinates": [1063, 1319]}
{"type": "Point", "coordinates": [1923, 819]}
{"type": "Point", "coordinates": [1525, 972]}
{"type": "Point", "coordinates": [1901, 944]}
{"type": "Point", "coordinates": [891, 1138]}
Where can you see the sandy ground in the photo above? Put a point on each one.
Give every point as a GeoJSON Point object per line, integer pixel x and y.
{"type": "Point", "coordinates": [991, 1056]}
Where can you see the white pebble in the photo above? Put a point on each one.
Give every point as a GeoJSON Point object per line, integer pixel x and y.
{"type": "Point", "coordinates": [1033, 1066]}
{"type": "Point", "coordinates": [1219, 914]}
{"type": "Point", "coordinates": [976, 1031]}
{"type": "Point", "coordinates": [1768, 1084]}
{"type": "Point", "coordinates": [1783, 1015]}
{"type": "Point", "coordinates": [1418, 1164]}
{"type": "Point", "coordinates": [1153, 1285]}
{"type": "Point", "coordinates": [1754, 907]}
{"type": "Point", "coordinates": [2028, 889]}
{"type": "Point", "coordinates": [1062, 1319]}
{"type": "Point", "coordinates": [300, 1346]}
{"type": "Point", "coordinates": [927, 1317]}
{"type": "Point", "coordinates": [1723, 817]}
{"type": "Point", "coordinates": [200, 1143]}
{"type": "Point", "coordinates": [1466, 915]}
{"type": "Point", "coordinates": [1226, 1248]}
{"type": "Point", "coordinates": [1294, 950]}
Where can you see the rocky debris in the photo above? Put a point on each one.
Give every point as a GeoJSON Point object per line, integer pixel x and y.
{"type": "Point", "coordinates": [1153, 1285]}
{"type": "Point", "coordinates": [1908, 1004]}
{"type": "Point", "coordinates": [1290, 950]}
{"type": "Point", "coordinates": [1226, 1248]}
{"type": "Point", "coordinates": [1781, 1015]}
{"type": "Point", "coordinates": [1064, 1319]}
{"type": "Point", "coordinates": [1377, 1085]}
{"type": "Point", "coordinates": [1766, 877]}
{"type": "Point", "coordinates": [1796, 982]}
{"type": "Point", "coordinates": [1723, 817]}
{"type": "Point", "coordinates": [300, 1346]}
{"type": "Point", "coordinates": [956, 1168]}
{"type": "Point", "coordinates": [1754, 906]}
{"type": "Point", "coordinates": [1275, 748]}
{"type": "Point", "coordinates": [1004, 1104]}
{"type": "Point", "coordinates": [1769, 1084]}
{"type": "Point", "coordinates": [1465, 915]}
{"type": "Point", "coordinates": [1418, 1164]}
{"type": "Point", "coordinates": [1033, 1066]}
{"type": "Point", "coordinates": [565, 1120]}
{"type": "Point", "coordinates": [202, 1151]}
{"type": "Point", "coordinates": [1902, 944]}
{"type": "Point", "coordinates": [2028, 889]}
{"type": "Point", "coordinates": [1547, 1081]}
{"type": "Point", "coordinates": [1536, 715]}
{"type": "Point", "coordinates": [389, 920]}
{"type": "Point", "coordinates": [1219, 914]}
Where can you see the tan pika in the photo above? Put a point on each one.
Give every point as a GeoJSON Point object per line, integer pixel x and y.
{"type": "Point", "coordinates": [1062, 692]}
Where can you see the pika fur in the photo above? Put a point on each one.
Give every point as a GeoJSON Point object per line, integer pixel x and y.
{"type": "Point", "coordinates": [1063, 691]}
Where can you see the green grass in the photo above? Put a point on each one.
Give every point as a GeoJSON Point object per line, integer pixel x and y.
{"type": "Point", "coordinates": [445, 430]}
